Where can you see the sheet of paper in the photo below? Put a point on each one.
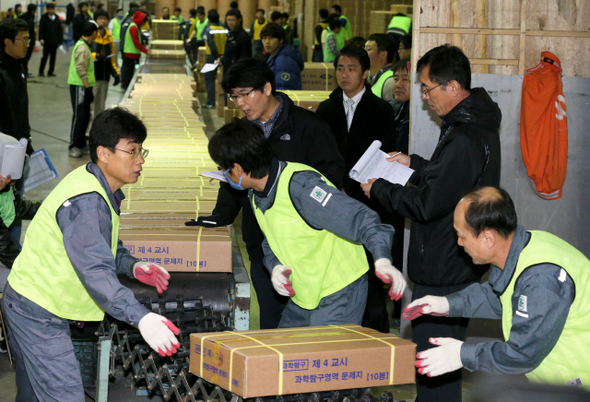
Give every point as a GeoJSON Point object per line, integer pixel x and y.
{"type": "Point", "coordinates": [217, 175]}
{"type": "Point", "coordinates": [374, 165]}
{"type": "Point", "coordinates": [41, 170]}
{"type": "Point", "coordinates": [209, 67]}
{"type": "Point", "coordinates": [12, 159]}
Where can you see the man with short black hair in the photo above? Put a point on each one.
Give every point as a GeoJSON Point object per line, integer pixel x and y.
{"type": "Point", "coordinates": [357, 117]}
{"type": "Point", "coordinates": [382, 50]}
{"type": "Point", "coordinates": [295, 135]}
{"type": "Point", "coordinates": [165, 13]}
{"type": "Point", "coordinates": [238, 43]}
{"type": "Point", "coordinates": [335, 40]}
{"type": "Point", "coordinates": [10, 13]}
{"type": "Point", "coordinates": [29, 17]}
{"type": "Point", "coordinates": [538, 288]}
{"type": "Point", "coordinates": [314, 257]}
{"type": "Point", "coordinates": [79, 20]}
{"type": "Point", "coordinates": [318, 51]}
{"type": "Point", "coordinates": [284, 60]}
{"type": "Point", "coordinates": [467, 155]}
{"type": "Point", "coordinates": [344, 22]}
{"type": "Point", "coordinates": [51, 36]}
{"type": "Point", "coordinates": [257, 25]}
{"type": "Point", "coordinates": [81, 79]}
{"type": "Point", "coordinates": [14, 98]}
{"type": "Point", "coordinates": [71, 274]}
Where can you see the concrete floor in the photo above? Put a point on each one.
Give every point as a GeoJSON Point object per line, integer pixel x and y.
{"type": "Point", "coordinates": [50, 117]}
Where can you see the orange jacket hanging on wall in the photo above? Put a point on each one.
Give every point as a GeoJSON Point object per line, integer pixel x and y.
{"type": "Point", "coordinates": [543, 127]}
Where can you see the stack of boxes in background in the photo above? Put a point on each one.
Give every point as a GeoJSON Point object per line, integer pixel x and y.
{"type": "Point", "coordinates": [165, 43]}
{"type": "Point", "coordinates": [171, 190]}
{"type": "Point", "coordinates": [200, 78]}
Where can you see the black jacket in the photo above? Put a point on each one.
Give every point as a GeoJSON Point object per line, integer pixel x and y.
{"type": "Point", "coordinates": [401, 111]}
{"type": "Point", "coordinates": [23, 210]}
{"type": "Point", "coordinates": [467, 155]}
{"type": "Point", "coordinates": [373, 120]}
{"type": "Point", "coordinates": [50, 32]}
{"type": "Point", "coordinates": [78, 25]}
{"type": "Point", "coordinates": [298, 136]}
{"type": "Point", "coordinates": [14, 100]}
{"type": "Point", "coordinates": [238, 44]}
{"type": "Point", "coordinates": [30, 19]}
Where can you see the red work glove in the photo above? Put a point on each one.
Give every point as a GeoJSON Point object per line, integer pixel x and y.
{"type": "Point", "coordinates": [151, 274]}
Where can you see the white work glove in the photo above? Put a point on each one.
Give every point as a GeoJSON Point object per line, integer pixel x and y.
{"type": "Point", "coordinates": [389, 274]}
{"type": "Point", "coordinates": [432, 305]}
{"type": "Point", "coordinates": [444, 359]}
{"type": "Point", "coordinates": [280, 280]}
{"type": "Point", "coordinates": [151, 274]}
{"type": "Point", "coordinates": [158, 332]}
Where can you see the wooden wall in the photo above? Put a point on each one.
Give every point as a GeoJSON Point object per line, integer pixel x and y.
{"type": "Point", "coordinates": [507, 36]}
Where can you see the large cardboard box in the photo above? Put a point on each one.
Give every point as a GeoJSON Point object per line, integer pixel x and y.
{"type": "Point", "coordinates": [181, 250]}
{"type": "Point", "coordinates": [160, 44]}
{"type": "Point", "coordinates": [300, 360]}
{"type": "Point", "coordinates": [170, 193]}
{"type": "Point", "coordinates": [165, 29]}
{"type": "Point", "coordinates": [318, 77]}
{"type": "Point", "coordinates": [167, 54]}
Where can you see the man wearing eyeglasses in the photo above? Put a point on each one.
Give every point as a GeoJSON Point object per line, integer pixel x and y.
{"type": "Point", "coordinates": [467, 156]}
{"type": "Point", "coordinates": [14, 100]}
{"type": "Point", "coordinates": [67, 270]}
{"type": "Point", "coordinates": [295, 135]}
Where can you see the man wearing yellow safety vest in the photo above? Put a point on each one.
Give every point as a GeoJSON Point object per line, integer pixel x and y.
{"type": "Point", "coordinates": [67, 270]}
{"type": "Point", "coordinates": [335, 40]}
{"type": "Point", "coordinates": [81, 79]}
{"type": "Point", "coordinates": [313, 255]}
{"type": "Point", "coordinates": [318, 51]}
{"type": "Point", "coordinates": [115, 27]}
{"type": "Point", "coordinates": [255, 29]}
{"type": "Point", "coordinates": [381, 48]}
{"type": "Point", "coordinates": [344, 22]}
{"type": "Point", "coordinates": [399, 25]}
{"type": "Point", "coordinates": [132, 47]}
{"type": "Point", "coordinates": [538, 288]}
{"type": "Point", "coordinates": [215, 36]}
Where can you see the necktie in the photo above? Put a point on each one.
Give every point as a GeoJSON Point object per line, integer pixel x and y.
{"type": "Point", "coordinates": [349, 112]}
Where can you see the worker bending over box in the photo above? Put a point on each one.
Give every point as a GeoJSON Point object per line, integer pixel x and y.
{"type": "Point", "coordinates": [313, 232]}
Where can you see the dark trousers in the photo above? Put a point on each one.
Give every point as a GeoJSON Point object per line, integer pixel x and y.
{"type": "Point", "coordinates": [49, 51]}
{"type": "Point", "coordinates": [127, 71]}
{"type": "Point", "coordinates": [271, 303]}
{"type": "Point", "coordinates": [318, 54]}
{"type": "Point", "coordinates": [26, 59]}
{"type": "Point", "coordinates": [210, 78]}
{"type": "Point", "coordinates": [81, 117]}
{"type": "Point", "coordinates": [447, 387]}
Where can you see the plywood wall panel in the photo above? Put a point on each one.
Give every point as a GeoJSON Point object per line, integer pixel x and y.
{"type": "Point", "coordinates": [558, 15]}
{"type": "Point", "coordinates": [574, 53]}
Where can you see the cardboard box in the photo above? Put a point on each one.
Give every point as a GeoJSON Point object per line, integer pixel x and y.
{"type": "Point", "coordinates": [193, 206]}
{"type": "Point", "coordinates": [165, 29]}
{"type": "Point", "coordinates": [229, 114]}
{"type": "Point", "coordinates": [160, 44]}
{"type": "Point", "coordinates": [300, 360]}
{"type": "Point", "coordinates": [167, 54]}
{"type": "Point", "coordinates": [177, 182]}
{"type": "Point", "coordinates": [318, 76]}
{"type": "Point", "coordinates": [171, 193]}
{"type": "Point", "coordinates": [181, 250]}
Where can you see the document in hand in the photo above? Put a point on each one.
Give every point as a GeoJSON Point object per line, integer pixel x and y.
{"type": "Point", "coordinates": [373, 165]}
{"type": "Point", "coordinates": [12, 159]}
{"type": "Point", "coordinates": [41, 170]}
{"type": "Point", "coordinates": [217, 174]}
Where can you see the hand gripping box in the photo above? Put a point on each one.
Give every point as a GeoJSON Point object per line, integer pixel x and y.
{"type": "Point", "coordinates": [300, 360]}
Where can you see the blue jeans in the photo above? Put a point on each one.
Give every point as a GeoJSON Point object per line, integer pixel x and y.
{"type": "Point", "coordinates": [46, 365]}
{"type": "Point", "coordinates": [343, 307]}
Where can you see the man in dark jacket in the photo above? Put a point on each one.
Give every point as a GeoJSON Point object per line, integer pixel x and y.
{"type": "Point", "coordinates": [14, 100]}
{"type": "Point", "coordinates": [355, 127]}
{"type": "Point", "coordinates": [295, 135]}
{"type": "Point", "coordinates": [79, 20]}
{"type": "Point", "coordinates": [285, 61]}
{"type": "Point", "coordinates": [467, 155]}
{"type": "Point", "coordinates": [51, 36]}
{"type": "Point", "coordinates": [238, 42]}
{"type": "Point", "coordinates": [29, 17]}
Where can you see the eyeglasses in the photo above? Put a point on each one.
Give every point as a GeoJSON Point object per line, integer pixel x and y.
{"type": "Point", "coordinates": [426, 91]}
{"type": "Point", "coordinates": [242, 96]}
{"type": "Point", "coordinates": [142, 151]}
{"type": "Point", "coordinates": [23, 41]}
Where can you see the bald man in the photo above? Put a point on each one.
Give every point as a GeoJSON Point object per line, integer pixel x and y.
{"type": "Point", "coordinates": [538, 288]}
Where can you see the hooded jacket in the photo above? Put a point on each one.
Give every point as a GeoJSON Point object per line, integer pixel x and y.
{"type": "Point", "coordinates": [467, 155]}
{"type": "Point", "coordinates": [107, 66]}
{"type": "Point", "coordinates": [287, 65]}
{"type": "Point", "coordinates": [14, 100]}
{"type": "Point", "coordinates": [138, 19]}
